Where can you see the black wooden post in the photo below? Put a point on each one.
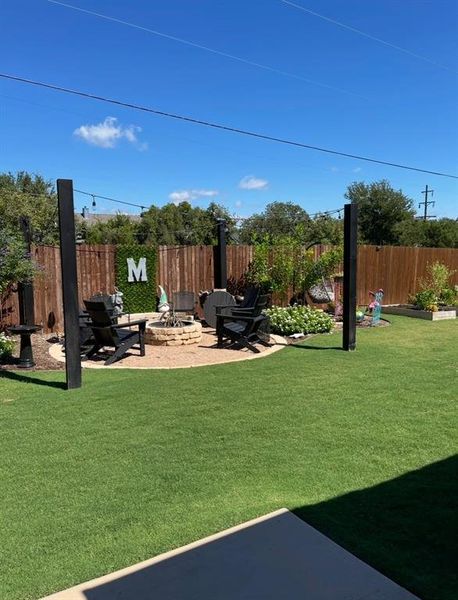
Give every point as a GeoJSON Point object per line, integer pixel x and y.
{"type": "Point", "coordinates": [69, 282]}
{"type": "Point", "coordinates": [219, 257]}
{"type": "Point", "coordinates": [349, 282]}
{"type": "Point", "coordinates": [25, 290]}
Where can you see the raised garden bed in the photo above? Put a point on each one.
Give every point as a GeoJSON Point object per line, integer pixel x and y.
{"type": "Point", "coordinates": [409, 310]}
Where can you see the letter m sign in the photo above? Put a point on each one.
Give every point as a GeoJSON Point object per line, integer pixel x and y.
{"type": "Point", "coordinates": [136, 272]}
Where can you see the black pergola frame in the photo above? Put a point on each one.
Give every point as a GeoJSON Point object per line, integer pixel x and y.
{"type": "Point", "coordinates": [69, 282]}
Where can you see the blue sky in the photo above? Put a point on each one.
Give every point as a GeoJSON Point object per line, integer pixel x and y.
{"type": "Point", "coordinates": [348, 92]}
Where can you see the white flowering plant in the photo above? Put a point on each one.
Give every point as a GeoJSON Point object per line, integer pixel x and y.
{"type": "Point", "coordinates": [6, 346]}
{"type": "Point", "coordinates": [298, 319]}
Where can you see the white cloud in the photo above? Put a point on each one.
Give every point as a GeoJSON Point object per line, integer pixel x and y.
{"type": "Point", "coordinates": [238, 204]}
{"type": "Point", "coordinates": [189, 195]}
{"type": "Point", "coordinates": [108, 133]}
{"type": "Point", "coordinates": [357, 170]}
{"type": "Point", "coordinates": [334, 169]}
{"type": "Point", "coordinates": [250, 182]}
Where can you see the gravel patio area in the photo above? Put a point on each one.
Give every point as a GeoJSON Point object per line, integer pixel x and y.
{"type": "Point", "coordinates": [175, 357]}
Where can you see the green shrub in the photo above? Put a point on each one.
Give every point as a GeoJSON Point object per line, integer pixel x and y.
{"type": "Point", "coordinates": [298, 319]}
{"type": "Point", "coordinates": [312, 271]}
{"type": "Point", "coordinates": [426, 300]}
{"type": "Point", "coordinates": [435, 289]}
{"type": "Point", "coordinates": [449, 296]}
{"type": "Point", "coordinates": [6, 346]}
{"type": "Point", "coordinates": [438, 278]}
{"type": "Point", "coordinates": [139, 296]}
{"type": "Point", "coordinates": [281, 264]}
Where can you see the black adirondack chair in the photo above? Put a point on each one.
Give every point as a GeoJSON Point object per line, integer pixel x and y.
{"type": "Point", "coordinates": [243, 329]}
{"type": "Point", "coordinates": [86, 335]}
{"type": "Point", "coordinates": [245, 307]}
{"type": "Point", "coordinates": [111, 335]}
{"type": "Point", "coordinates": [184, 302]}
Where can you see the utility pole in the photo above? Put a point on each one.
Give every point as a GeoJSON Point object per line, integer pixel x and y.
{"type": "Point", "coordinates": [426, 203]}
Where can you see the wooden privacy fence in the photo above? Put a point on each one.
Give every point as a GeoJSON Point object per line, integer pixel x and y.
{"type": "Point", "coordinates": [191, 267]}
{"type": "Point", "coordinates": [395, 269]}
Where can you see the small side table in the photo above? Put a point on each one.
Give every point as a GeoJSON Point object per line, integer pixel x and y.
{"type": "Point", "coordinates": [26, 353]}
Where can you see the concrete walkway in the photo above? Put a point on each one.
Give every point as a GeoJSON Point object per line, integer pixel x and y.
{"type": "Point", "coordinates": [274, 557]}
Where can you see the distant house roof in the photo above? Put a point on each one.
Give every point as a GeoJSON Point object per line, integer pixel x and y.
{"type": "Point", "coordinates": [91, 218]}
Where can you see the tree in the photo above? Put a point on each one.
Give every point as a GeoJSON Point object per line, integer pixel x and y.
{"type": "Point", "coordinates": [279, 218]}
{"type": "Point", "coordinates": [288, 219]}
{"type": "Point", "coordinates": [30, 196]}
{"type": "Point", "coordinates": [441, 233]}
{"type": "Point", "coordinates": [380, 211]}
{"type": "Point", "coordinates": [323, 229]}
{"type": "Point", "coordinates": [16, 264]}
{"type": "Point", "coordinates": [118, 230]}
{"type": "Point", "coordinates": [183, 224]}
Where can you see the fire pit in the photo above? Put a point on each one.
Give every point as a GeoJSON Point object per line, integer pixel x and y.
{"type": "Point", "coordinates": [158, 333]}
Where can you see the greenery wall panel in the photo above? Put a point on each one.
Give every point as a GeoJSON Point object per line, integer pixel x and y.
{"type": "Point", "coordinates": [139, 296]}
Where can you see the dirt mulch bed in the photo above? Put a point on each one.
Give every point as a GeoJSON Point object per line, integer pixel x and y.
{"type": "Point", "coordinates": [366, 322]}
{"type": "Point", "coordinates": [44, 361]}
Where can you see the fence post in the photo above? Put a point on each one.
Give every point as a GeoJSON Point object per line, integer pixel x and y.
{"type": "Point", "coordinates": [69, 282]}
{"type": "Point", "coordinates": [349, 283]}
{"type": "Point", "coordinates": [220, 264]}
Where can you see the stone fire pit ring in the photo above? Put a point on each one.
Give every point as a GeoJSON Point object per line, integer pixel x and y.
{"type": "Point", "coordinates": [157, 334]}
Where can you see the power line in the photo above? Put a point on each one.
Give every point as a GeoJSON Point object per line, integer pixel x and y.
{"type": "Point", "coordinates": [219, 126]}
{"type": "Point", "coordinates": [326, 213]}
{"type": "Point", "coordinates": [206, 48]}
{"type": "Point", "coordinates": [367, 35]}
{"type": "Point", "coordinates": [143, 207]}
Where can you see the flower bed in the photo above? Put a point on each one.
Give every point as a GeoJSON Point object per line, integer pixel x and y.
{"type": "Point", "coordinates": [6, 346]}
{"type": "Point", "coordinates": [299, 319]}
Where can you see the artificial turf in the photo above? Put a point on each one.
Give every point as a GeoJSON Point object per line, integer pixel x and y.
{"type": "Point", "coordinates": [135, 463]}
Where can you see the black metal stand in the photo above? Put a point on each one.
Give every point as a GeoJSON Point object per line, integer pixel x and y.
{"type": "Point", "coordinates": [26, 353]}
{"type": "Point", "coordinates": [349, 282]}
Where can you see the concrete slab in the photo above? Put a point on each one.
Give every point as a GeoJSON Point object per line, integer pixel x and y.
{"type": "Point", "coordinates": [274, 557]}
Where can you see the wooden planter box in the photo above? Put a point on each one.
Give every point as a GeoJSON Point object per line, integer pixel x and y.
{"type": "Point", "coordinates": [410, 311]}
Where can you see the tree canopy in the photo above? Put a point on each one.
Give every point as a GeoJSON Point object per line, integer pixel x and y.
{"type": "Point", "coordinates": [386, 216]}
{"type": "Point", "coordinates": [381, 209]}
{"type": "Point", "coordinates": [29, 195]}
{"type": "Point", "coordinates": [289, 219]}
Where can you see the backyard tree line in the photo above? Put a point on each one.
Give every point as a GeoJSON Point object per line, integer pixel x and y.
{"type": "Point", "coordinates": [386, 216]}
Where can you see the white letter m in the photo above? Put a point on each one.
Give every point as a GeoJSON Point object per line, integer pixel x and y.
{"type": "Point", "coordinates": [136, 272]}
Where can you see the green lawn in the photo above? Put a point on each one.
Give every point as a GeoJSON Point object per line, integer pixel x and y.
{"type": "Point", "coordinates": [360, 445]}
